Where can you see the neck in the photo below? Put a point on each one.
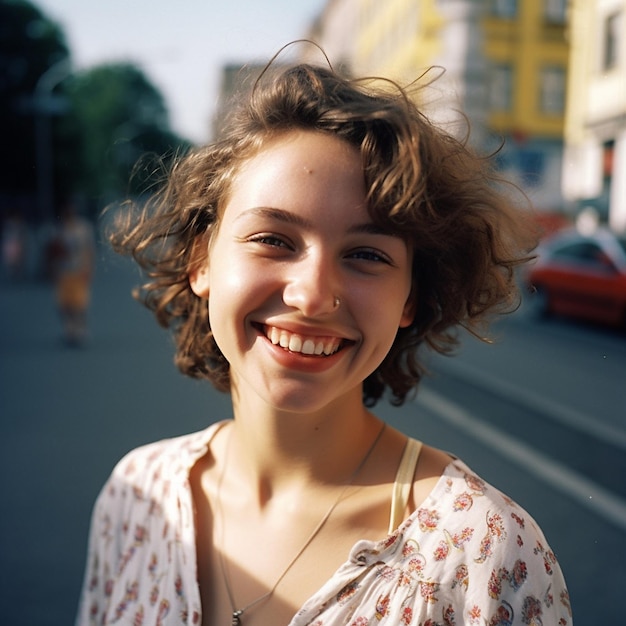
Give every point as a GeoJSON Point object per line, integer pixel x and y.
{"type": "Point", "coordinates": [286, 452]}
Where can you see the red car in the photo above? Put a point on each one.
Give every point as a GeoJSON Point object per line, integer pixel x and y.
{"type": "Point", "coordinates": [582, 276]}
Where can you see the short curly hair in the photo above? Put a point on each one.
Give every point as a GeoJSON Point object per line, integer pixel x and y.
{"type": "Point", "coordinates": [466, 233]}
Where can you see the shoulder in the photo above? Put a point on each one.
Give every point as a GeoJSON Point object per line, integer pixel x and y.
{"type": "Point", "coordinates": [142, 536]}
{"type": "Point", "coordinates": [147, 499]}
{"type": "Point", "coordinates": [172, 453]}
{"type": "Point", "coordinates": [153, 472]}
{"type": "Point", "coordinates": [486, 553]}
{"type": "Point", "coordinates": [463, 501]}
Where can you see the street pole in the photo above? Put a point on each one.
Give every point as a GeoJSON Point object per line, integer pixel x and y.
{"type": "Point", "coordinates": [45, 106]}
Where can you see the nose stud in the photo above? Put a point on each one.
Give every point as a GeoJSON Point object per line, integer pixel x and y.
{"type": "Point", "coordinates": [336, 302]}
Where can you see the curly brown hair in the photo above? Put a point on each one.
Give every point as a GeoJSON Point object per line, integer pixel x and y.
{"type": "Point", "coordinates": [466, 234]}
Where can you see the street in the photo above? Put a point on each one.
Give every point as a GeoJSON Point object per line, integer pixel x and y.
{"type": "Point", "coordinates": [541, 414]}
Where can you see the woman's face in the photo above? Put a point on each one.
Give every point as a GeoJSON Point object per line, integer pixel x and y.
{"type": "Point", "coordinates": [306, 293]}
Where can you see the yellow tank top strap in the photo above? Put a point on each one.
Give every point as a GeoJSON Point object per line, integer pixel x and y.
{"type": "Point", "coordinates": [404, 482]}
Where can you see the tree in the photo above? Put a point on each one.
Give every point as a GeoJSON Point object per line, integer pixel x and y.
{"type": "Point", "coordinates": [121, 117]}
{"type": "Point", "coordinates": [30, 44]}
{"type": "Point", "coordinates": [66, 134]}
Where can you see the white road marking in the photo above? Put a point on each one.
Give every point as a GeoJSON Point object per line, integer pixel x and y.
{"type": "Point", "coordinates": [598, 499]}
{"type": "Point", "coordinates": [535, 402]}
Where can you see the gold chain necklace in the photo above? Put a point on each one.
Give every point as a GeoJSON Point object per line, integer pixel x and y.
{"type": "Point", "coordinates": [237, 613]}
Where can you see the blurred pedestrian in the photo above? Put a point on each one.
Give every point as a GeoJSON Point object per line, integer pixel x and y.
{"type": "Point", "coordinates": [14, 246]}
{"type": "Point", "coordinates": [71, 259]}
{"type": "Point", "coordinates": [301, 261]}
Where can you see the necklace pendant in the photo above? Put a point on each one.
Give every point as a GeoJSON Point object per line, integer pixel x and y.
{"type": "Point", "coordinates": [236, 621]}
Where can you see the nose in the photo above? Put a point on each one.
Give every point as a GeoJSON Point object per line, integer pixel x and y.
{"type": "Point", "coordinates": [313, 286]}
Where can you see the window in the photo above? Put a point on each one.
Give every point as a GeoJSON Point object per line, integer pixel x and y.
{"type": "Point", "coordinates": [501, 88]}
{"type": "Point", "coordinates": [584, 254]}
{"type": "Point", "coordinates": [613, 25]}
{"type": "Point", "coordinates": [552, 86]}
{"type": "Point", "coordinates": [504, 8]}
{"type": "Point", "coordinates": [554, 11]}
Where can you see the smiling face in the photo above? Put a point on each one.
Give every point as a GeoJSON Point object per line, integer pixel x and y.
{"type": "Point", "coordinates": [294, 236]}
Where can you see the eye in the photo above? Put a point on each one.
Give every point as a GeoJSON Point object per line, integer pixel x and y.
{"type": "Point", "coordinates": [370, 254]}
{"type": "Point", "coordinates": [269, 240]}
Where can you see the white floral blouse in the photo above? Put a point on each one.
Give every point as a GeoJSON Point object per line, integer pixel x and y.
{"type": "Point", "coordinates": [468, 555]}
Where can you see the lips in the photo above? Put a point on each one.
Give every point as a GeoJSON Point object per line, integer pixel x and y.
{"type": "Point", "coordinates": [303, 344]}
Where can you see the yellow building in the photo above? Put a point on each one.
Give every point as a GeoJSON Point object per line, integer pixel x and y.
{"type": "Point", "coordinates": [397, 38]}
{"type": "Point", "coordinates": [501, 62]}
{"type": "Point", "coordinates": [526, 57]}
{"type": "Point", "coordinates": [525, 45]}
{"type": "Point", "coordinates": [594, 167]}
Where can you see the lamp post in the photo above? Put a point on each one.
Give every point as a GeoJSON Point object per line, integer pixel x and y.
{"type": "Point", "coordinates": [46, 105]}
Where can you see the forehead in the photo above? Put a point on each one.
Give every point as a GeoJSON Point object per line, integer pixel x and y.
{"type": "Point", "coordinates": [300, 170]}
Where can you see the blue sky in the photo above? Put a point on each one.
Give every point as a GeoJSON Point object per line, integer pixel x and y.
{"type": "Point", "coordinates": [180, 44]}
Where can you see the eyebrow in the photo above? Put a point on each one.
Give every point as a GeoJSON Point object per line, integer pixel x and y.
{"type": "Point", "coordinates": [368, 228]}
{"type": "Point", "coordinates": [277, 214]}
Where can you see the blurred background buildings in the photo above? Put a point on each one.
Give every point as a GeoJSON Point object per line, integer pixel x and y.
{"type": "Point", "coordinates": [542, 83]}
{"type": "Point", "coordinates": [546, 79]}
{"type": "Point", "coordinates": [594, 171]}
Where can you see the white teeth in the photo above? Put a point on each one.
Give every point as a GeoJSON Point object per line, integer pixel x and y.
{"type": "Point", "coordinates": [274, 335]}
{"type": "Point", "coordinates": [329, 349]}
{"type": "Point", "coordinates": [308, 347]}
{"type": "Point", "coordinates": [295, 343]}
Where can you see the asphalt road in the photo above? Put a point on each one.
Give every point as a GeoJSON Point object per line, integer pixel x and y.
{"type": "Point", "coordinates": [542, 415]}
{"type": "Point", "coordinates": [67, 415]}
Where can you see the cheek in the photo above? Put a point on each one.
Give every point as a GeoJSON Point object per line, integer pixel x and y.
{"type": "Point", "coordinates": [385, 306]}
{"type": "Point", "coordinates": [234, 283]}
{"type": "Point", "coordinates": [236, 292]}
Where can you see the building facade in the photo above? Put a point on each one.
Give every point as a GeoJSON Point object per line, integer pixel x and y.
{"type": "Point", "coordinates": [502, 63]}
{"type": "Point", "coordinates": [594, 164]}
{"type": "Point", "coordinates": [526, 55]}
{"type": "Point", "coordinates": [335, 31]}
{"type": "Point", "coordinates": [423, 43]}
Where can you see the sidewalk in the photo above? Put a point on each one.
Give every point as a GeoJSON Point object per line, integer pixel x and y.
{"type": "Point", "coordinates": [67, 415]}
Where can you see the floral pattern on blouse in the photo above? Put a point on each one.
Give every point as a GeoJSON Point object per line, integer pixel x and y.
{"type": "Point", "coordinates": [467, 556]}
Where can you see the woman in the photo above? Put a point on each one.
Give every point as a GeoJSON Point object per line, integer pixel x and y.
{"type": "Point", "coordinates": [301, 262]}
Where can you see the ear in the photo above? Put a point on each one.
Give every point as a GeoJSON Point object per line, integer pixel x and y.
{"type": "Point", "coordinates": [199, 281]}
{"type": "Point", "coordinates": [199, 269]}
{"type": "Point", "coordinates": [408, 313]}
